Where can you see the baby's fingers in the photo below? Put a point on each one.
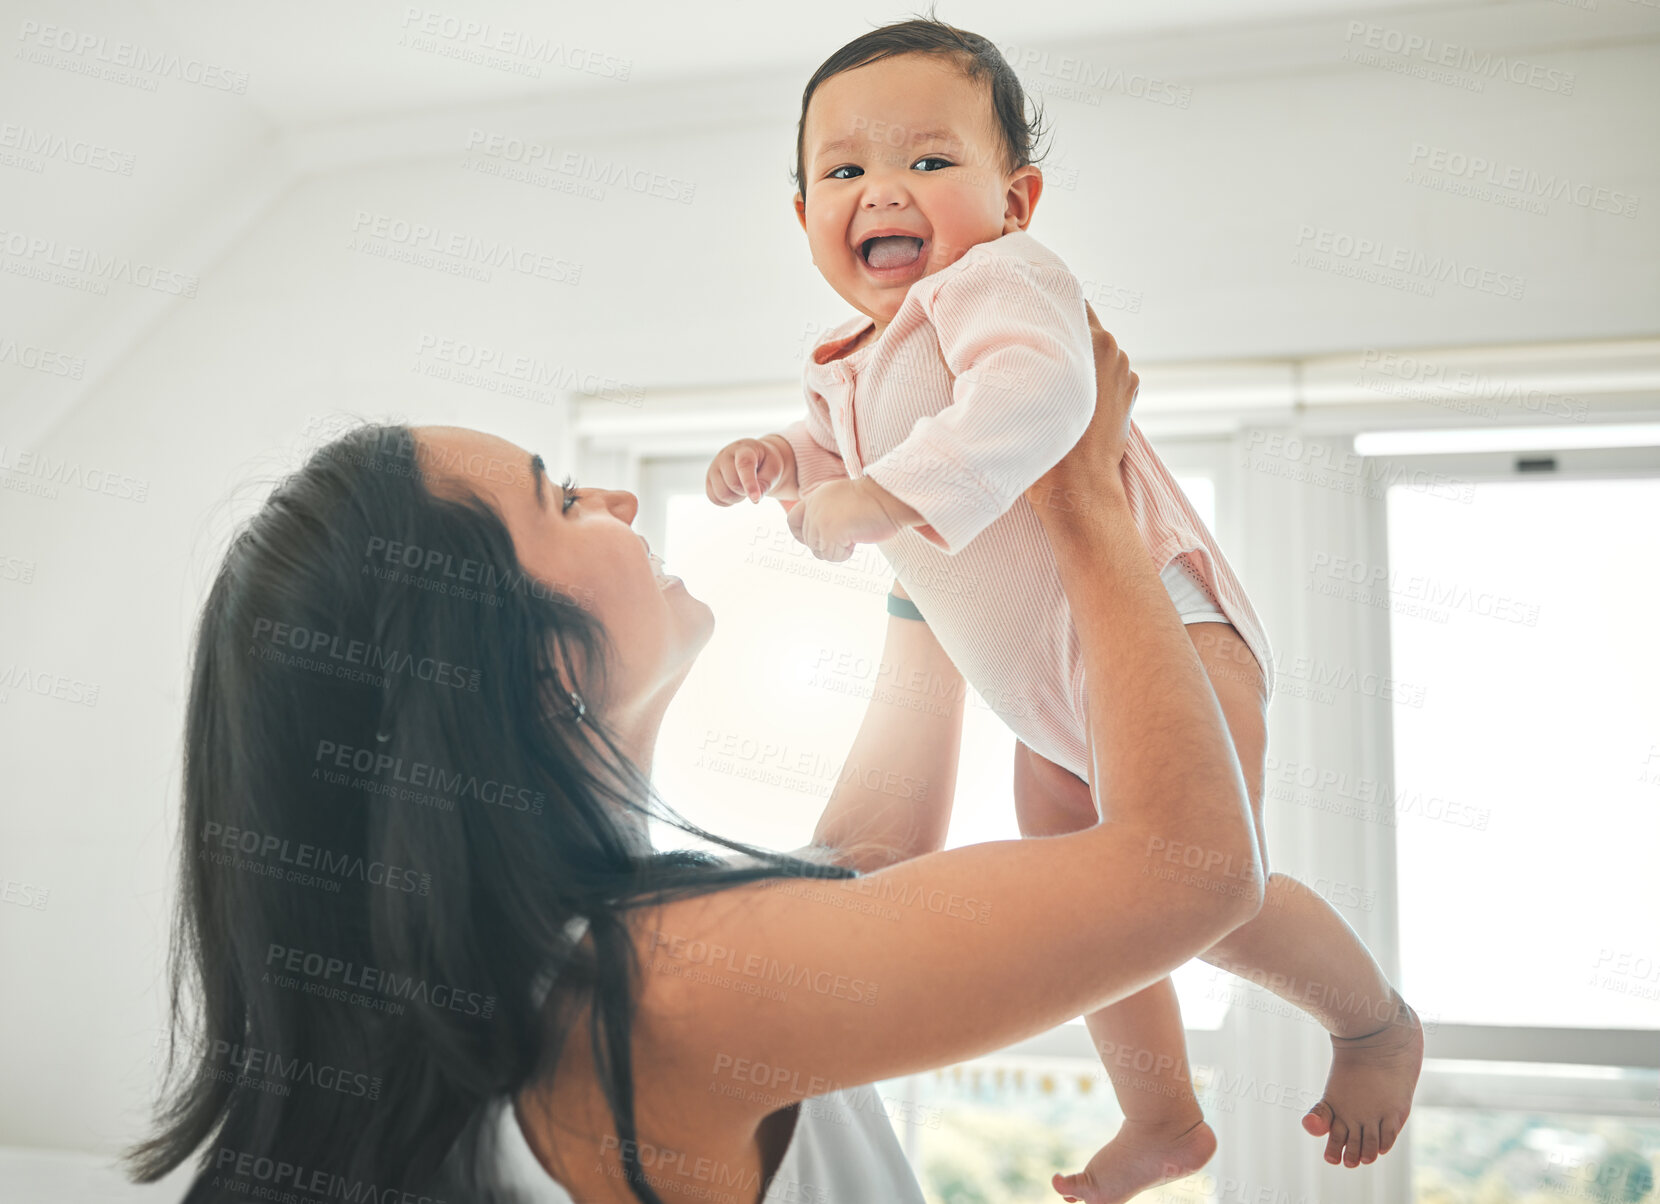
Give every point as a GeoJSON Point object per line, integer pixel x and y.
{"type": "Point", "coordinates": [745, 461]}
{"type": "Point", "coordinates": [825, 543]}
{"type": "Point", "coordinates": [767, 473]}
{"type": "Point", "coordinates": [715, 486]}
{"type": "Point", "coordinates": [833, 550]}
{"type": "Point", "coordinates": [725, 483]}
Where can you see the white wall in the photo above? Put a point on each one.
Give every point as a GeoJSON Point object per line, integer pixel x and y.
{"type": "Point", "coordinates": [1198, 210]}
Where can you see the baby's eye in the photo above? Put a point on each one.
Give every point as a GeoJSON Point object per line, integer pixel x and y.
{"type": "Point", "coordinates": [932, 159]}
{"type": "Point", "coordinates": [836, 173]}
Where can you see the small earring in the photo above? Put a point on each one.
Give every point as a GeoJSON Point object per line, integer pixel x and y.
{"type": "Point", "coordinates": [382, 737]}
{"type": "Point", "coordinates": [578, 706]}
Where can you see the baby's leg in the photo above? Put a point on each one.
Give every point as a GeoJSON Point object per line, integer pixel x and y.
{"type": "Point", "coordinates": [1140, 1039]}
{"type": "Point", "coordinates": [1300, 948]}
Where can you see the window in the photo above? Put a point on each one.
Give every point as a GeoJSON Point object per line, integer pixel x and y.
{"type": "Point", "coordinates": [757, 735]}
{"type": "Point", "coordinates": [1483, 1155]}
{"type": "Point", "coordinates": [1529, 778]}
{"type": "Point", "coordinates": [780, 691]}
{"type": "Point", "coordinates": [758, 732]}
{"type": "Point", "coordinates": [1527, 786]}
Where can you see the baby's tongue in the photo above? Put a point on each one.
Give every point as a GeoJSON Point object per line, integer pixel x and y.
{"type": "Point", "coordinates": [893, 251]}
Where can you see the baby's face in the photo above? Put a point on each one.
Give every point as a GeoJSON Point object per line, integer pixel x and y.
{"type": "Point", "coordinates": [907, 148]}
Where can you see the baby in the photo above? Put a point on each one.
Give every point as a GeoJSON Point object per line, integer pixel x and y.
{"type": "Point", "coordinates": [967, 375]}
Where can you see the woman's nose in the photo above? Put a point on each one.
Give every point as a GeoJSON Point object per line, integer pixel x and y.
{"type": "Point", "coordinates": [623, 504]}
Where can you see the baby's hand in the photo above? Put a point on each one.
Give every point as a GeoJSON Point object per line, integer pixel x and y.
{"type": "Point", "coordinates": [752, 468]}
{"type": "Point", "coordinates": [834, 516]}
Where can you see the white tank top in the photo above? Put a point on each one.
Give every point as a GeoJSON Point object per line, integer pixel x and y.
{"type": "Point", "coordinates": [843, 1150]}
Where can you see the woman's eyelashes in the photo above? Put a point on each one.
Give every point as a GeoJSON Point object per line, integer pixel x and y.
{"type": "Point", "coordinates": [568, 490]}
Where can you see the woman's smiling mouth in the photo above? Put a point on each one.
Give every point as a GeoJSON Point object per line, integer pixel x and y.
{"type": "Point", "coordinates": [664, 580]}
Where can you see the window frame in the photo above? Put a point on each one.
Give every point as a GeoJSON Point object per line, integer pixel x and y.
{"type": "Point", "coordinates": [673, 468]}
{"type": "Point", "coordinates": [1592, 1048]}
{"type": "Point", "coordinates": [676, 469]}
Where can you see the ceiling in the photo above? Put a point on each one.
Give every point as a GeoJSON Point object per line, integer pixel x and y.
{"type": "Point", "coordinates": [335, 86]}
{"type": "Point", "coordinates": [319, 61]}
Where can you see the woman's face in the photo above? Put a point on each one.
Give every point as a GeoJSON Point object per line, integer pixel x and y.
{"type": "Point", "coordinates": [581, 543]}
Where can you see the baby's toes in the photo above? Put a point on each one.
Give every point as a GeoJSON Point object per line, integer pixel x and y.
{"type": "Point", "coordinates": [1369, 1143]}
{"type": "Point", "coordinates": [1387, 1133]}
{"type": "Point", "coordinates": [1318, 1120]}
{"type": "Point", "coordinates": [1351, 1151]}
{"type": "Point", "coordinates": [1071, 1187]}
{"type": "Point", "coordinates": [1335, 1141]}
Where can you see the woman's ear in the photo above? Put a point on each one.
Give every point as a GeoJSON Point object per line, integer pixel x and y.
{"type": "Point", "coordinates": [1020, 201]}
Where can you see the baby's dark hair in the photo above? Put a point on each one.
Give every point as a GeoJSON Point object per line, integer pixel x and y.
{"type": "Point", "coordinates": [976, 56]}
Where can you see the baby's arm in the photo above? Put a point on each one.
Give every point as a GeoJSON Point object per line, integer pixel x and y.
{"type": "Point", "coordinates": [816, 458]}
{"type": "Point", "coordinates": [1015, 337]}
{"type": "Point", "coordinates": [783, 465]}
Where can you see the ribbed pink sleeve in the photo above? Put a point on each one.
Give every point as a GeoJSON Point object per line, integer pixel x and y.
{"type": "Point", "coordinates": [1016, 340]}
{"type": "Point", "coordinates": [812, 441]}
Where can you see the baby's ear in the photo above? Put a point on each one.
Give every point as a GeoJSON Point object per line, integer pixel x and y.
{"type": "Point", "coordinates": [1025, 187]}
{"type": "Point", "coordinates": [801, 210]}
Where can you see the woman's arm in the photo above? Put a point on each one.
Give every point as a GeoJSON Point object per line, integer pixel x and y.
{"type": "Point", "coordinates": [893, 798]}
{"type": "Point", "coordinates": [958, 953]}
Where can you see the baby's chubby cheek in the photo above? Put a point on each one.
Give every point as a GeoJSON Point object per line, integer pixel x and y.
{"type": "Point", "coordinates": [951, 245]}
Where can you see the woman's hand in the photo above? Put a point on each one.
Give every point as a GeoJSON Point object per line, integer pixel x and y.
{"type": "Point", "coordinates": [1093, 463]}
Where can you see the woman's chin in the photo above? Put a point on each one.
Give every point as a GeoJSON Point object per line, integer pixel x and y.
{"type": "Point", "coordinates": [699, 618]}
{"type": "Point", "coordinates": [708, 625]}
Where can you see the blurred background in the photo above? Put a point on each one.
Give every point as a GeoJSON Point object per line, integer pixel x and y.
{"type": "Point", "coordinates": [1390, 273]}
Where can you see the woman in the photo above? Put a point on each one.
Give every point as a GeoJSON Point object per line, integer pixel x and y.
{"type": "Point", "coordinates": [418, 892]}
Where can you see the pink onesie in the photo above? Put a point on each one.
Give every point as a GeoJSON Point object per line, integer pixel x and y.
{"type": "Point", "coordinates": [982, 382]}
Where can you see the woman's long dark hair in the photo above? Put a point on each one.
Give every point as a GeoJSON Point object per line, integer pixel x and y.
{"type": "Point", "coordinates": [390, 813]}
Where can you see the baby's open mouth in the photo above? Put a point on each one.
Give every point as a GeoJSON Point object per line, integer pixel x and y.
{"type": "Point", "coordinates": [891, 251]}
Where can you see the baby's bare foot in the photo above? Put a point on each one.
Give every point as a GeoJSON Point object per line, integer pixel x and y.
{"type": "Point", "coordinates": [1369, 1089]}
{"type": "Point", "coordinates": [1141, 1156]}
